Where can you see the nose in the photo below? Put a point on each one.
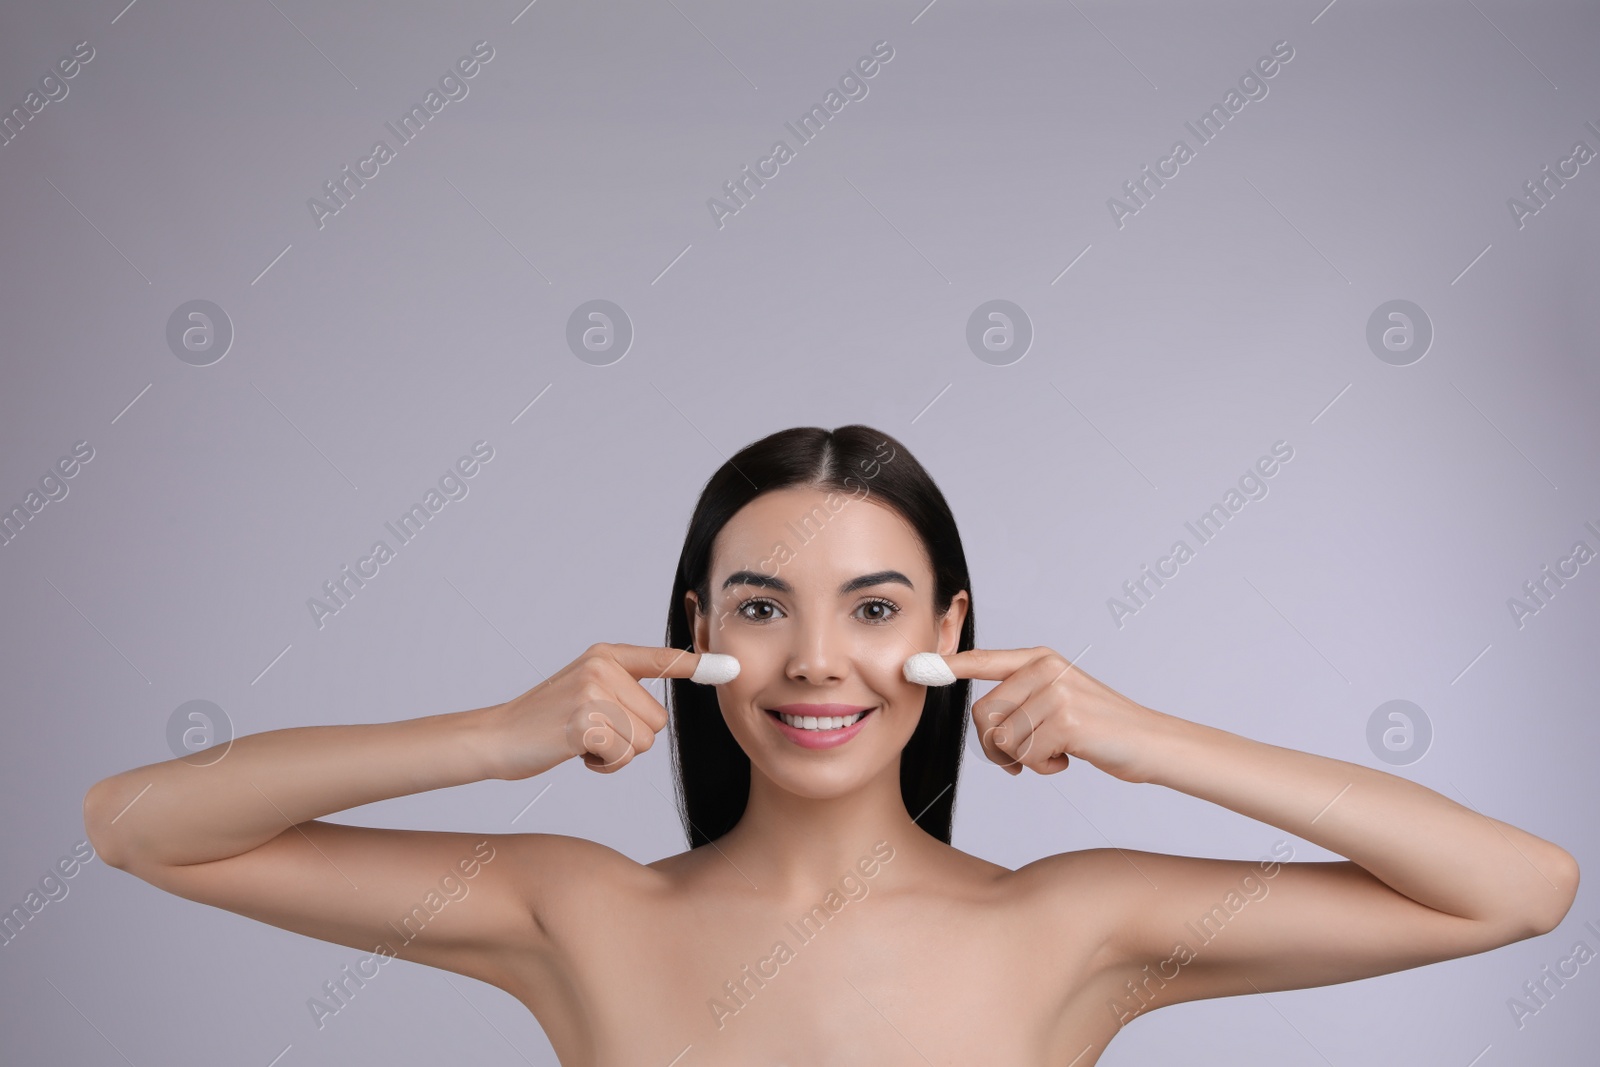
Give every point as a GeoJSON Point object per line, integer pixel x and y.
{"type": "Point", "coordinates": [820, 654]}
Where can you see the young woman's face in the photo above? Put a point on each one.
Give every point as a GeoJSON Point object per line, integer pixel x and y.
{"type": "Point", "coordinates": [821, 597]}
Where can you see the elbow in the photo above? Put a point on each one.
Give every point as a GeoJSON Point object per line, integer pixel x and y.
{"type": "Point", "coordinates": [99, 813]}
{"type": "Point", "coordinates": [1560, 871]}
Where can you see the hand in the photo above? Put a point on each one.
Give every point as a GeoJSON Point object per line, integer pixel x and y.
{"type": "Point", "coordinates": [1045, 711]}
{"type": "Point", "coordinates": [593, 707]}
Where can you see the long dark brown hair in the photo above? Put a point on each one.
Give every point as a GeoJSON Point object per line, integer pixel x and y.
{"type": "Point", "coordinates": [712, 771]}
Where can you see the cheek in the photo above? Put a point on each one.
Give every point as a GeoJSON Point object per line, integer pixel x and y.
{"type": "Point", "coordinates": [760, 665]}
{"type": "Point", "coordinates": [756, 654]}
{"type": "Point", "coordinates": [882, 664]}
{"type": "Point", "coordinates": [882, 653]}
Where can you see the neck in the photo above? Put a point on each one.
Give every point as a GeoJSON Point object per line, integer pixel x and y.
{"type": "Point", "coordinates": [797, 846]}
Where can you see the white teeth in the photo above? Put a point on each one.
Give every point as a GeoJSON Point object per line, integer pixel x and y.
{"type": "Point", "coordinates": [812, 722]}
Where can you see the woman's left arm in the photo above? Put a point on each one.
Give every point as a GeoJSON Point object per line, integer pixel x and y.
{"type": "Point", "coordinates": [1414, 840]}
{"type": "Point", "coordinates": [1427, 878]}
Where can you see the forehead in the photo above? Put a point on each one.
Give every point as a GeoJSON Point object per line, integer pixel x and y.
{"type": "Point", "coordinates": [810, 533]}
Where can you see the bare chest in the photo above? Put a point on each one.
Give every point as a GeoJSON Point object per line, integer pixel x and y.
{"type": "Point", "coordinates": [876, 980]}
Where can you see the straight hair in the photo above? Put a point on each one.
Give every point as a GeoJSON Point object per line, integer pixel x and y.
{"type": "Point", "coordinates": [712, 772]}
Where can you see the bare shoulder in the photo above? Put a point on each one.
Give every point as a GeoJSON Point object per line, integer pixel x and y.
{"type": "Point", "coordinates": [564, 849]}
{"type": "Point", "coordinates": [947, 871]}
{"type": "Point", "coordinates": [1085, 873]}
{"type": "Point", "coordinates": [557, 868]}
{"type": "Point", "coordinates": [562, 880]}
{"type": "Point", "coordinates": [1115, 884]}
{"type": "Point", "coordinates": [1085, 892]}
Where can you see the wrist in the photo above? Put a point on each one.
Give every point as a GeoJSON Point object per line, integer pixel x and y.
{"type": "Point", "coordinates": [516, 740]}
{"type": "Point", "coordinates": [1173, 748]}
{"type": "Point", "coordinates": [478, 735]}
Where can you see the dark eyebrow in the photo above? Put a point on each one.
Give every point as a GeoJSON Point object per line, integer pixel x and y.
{"type": "Point", "coordinates": [773, 582]}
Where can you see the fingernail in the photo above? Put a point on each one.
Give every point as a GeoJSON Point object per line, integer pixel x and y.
{"type": "Point", "coordinates": [928, 668]}
{"type": "Point", "coordinates": [715, 668]}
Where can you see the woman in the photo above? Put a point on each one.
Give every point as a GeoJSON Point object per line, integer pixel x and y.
{"type": "Point", "coordinates": [821, 915]}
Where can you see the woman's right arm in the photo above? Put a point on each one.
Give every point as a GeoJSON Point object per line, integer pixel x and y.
{"type": "Point", "coordinates": [245, 833]}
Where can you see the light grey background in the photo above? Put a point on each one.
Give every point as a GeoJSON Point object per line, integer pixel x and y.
{"type": "Point", "coordinates": [1229, 313]}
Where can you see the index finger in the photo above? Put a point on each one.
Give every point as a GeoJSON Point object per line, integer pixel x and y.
{"type": "Point", "coordinates": [648, 661]}
{"type": "Point", "coordinates": [991, 664]}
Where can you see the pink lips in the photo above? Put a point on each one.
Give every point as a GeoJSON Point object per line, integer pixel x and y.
{"type": "Point", "coordinates": [820, 738]}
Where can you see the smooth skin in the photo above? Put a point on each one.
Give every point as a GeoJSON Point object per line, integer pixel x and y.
{"type": "Point", "coordinates": [935, 956]}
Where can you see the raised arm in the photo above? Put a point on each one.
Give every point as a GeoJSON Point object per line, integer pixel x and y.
{"type": "Point", "coordinates": [1425, 879]}
{"type": "Point", "coordinates": [245, 833]}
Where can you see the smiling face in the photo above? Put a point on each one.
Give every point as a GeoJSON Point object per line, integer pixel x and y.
{"type": "Point", "coordinates": [824, 621]}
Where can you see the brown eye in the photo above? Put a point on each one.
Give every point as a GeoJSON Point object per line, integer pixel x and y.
{"type": "Point", "coordinates": [756, 603]}
{"type": "Point", "coordinates": [887, 609]}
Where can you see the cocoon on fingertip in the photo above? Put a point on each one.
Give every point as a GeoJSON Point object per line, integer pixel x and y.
{"type": "Point", "coordinates": [928, 668]}
{"type": "Point", "coordinates": [715, 668]}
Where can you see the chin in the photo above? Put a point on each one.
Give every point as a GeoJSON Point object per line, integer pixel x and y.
{"type": "Point", "coordinates": [820, 781]}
